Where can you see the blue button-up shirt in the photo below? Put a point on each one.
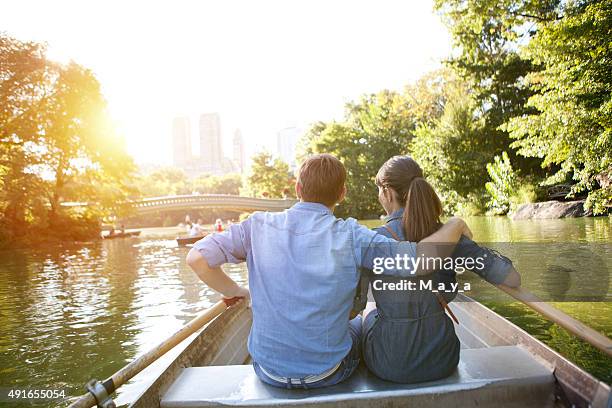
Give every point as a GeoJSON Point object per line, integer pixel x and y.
{"type": "Point", "coordinates": [303, 270]}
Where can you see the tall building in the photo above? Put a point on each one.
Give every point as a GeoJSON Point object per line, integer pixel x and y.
{"type": "Point", "coordinates": [239, 154]}
{"type": "Point", "coordinates": [181, 141]}
{"type": "Point", "coordinates": [287, 140]}
{"type": "Point", "coordinates": [211, 153]}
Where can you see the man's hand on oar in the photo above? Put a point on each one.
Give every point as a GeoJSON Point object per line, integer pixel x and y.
{"type": "Point", "coordinates": [215, 277]}
{"type": "Point", "coordinates": [241, 293]}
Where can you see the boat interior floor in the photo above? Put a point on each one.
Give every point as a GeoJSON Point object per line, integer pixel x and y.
{"type": "Point", "coordinates": [505, 376]}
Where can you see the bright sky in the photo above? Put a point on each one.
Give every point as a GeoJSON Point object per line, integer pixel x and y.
{"type": "Point", "coordinates": [263, 65]}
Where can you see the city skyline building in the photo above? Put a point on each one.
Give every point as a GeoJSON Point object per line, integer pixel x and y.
{"type": "Point", "coordinates": [210, 159]}
{"type": "Point", "coordinates": [287, 140]}
{"type": "Point", "coordinates": [211, 149]}
{"type": "Point", "coordinates": [181, 141]}
{"type": "Point", "coordinates": [239, 155]}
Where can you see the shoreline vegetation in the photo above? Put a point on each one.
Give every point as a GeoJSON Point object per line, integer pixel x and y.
{"type": "Point", "coordinates": [523, 106]}
{"type": "Point", "coordinates": [78, 229]}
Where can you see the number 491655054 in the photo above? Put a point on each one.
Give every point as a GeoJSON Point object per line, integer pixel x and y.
{"type": "Point", "coordinates": [35, 393]}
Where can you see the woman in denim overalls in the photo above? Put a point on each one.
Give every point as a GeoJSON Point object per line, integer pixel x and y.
{"type": "Point", "coordinates": [408, 337]}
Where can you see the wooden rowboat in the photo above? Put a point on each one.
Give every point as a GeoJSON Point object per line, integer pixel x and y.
{"type": "Point", "coordinates": [121, 235]}
{"type": "Point", "coordinates": [182, 241]}
{"type": "Point", "coordinates": [501, 366]}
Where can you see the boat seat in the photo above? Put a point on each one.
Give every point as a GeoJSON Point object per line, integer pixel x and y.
{"type": "Point", "coordinates": [505, 376]}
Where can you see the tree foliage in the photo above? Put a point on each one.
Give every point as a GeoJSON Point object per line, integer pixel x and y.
{"type": "Point", "coordinates": [539, 73]}
{"type": "Point", "coordinates": [23, 71]}
{"type": "Point", "coordinates": [174, 181]}
{"type": "Point", "coordinates": [453, 150]}
{"type": "Point", "coordinates": [57, 142]}
{"type": "Point", "coordinates": [487, 35]}
{"type": "Point", "coordinates": [503, 185]}
{"type": "Point", "coordinates": [226, 184]}
{"type": "Point", "coordinates": [80, 144]}
{"type": "Point", "coordinates": [375, 128]}
{"type": "Point", "coordinates": [269, 177]}
{"type": "Point", "coordinates": [572, 123]}
{"type": "Point", "coordinates": [163, 182]}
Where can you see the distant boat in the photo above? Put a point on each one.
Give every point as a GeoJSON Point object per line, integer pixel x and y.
{"type": "Point", "coordinates": [121, 235]}
{"type": "Point", "coordinates": [183, 241]}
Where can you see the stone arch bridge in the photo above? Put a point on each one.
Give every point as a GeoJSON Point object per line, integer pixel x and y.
{"type": "Point", "coordinates": [199, 201]}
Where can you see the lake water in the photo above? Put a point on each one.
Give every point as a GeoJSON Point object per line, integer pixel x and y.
{"type": "Point", "coordinates": [74, 312]}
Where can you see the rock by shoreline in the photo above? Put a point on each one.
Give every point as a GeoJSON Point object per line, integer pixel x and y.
{"type": "Point", "coordinates": [551, 209]}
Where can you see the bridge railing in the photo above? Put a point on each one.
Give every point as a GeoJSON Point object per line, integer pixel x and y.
{"type": "Point", "coordinates": [210, 198]}
{"type": "Point", "coordinates": [203, 200]}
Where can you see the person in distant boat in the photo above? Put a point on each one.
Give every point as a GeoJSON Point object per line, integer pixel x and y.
{"type": "Point", "coordinates": [408, 337]}
{"type": "Point", "coordinates": [218, 225]}
{"type": "Point", "coordinates": [303, 271]}
{"type": "Point", "coordinates": [122, 230]}
{"type": "Point", "coordinates": [187, 224]}
{"type": "Point", "coordinates": [196, 229]}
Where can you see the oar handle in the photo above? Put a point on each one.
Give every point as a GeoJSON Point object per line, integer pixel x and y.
{"type": "Point", "coordinates": [136, 366]}
{"type": "Point", "coordinates": [574, 326]}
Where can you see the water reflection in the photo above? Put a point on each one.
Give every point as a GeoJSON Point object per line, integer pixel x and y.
{"type": "Point", "coordinates": [502, 229]}
{"type": "Point", "coordinates": [72, 313]}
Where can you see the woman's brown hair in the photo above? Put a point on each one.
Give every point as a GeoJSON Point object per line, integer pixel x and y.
{"type": "Point", "coordinates": [422, 206]}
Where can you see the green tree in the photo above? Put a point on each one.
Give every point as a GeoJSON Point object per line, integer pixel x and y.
{"type": "Point", "coordinates": [165, 181]}
{"type": "Point", "coordinates": [174, 181]}
{"type": "Point", "coordinates": [57, 144]}
{"type": "Point", "coordinates": [80, 143]}
{"type": "Point", "coordinates": [23, 71]}
{"type": "Point", "coordinates": [306, 143]}
{"type": "Point", "coordinates": [453, 151]}
{"type": "Point", "coordinates": [487, 35]}
{"type": "Point", "coordinates": [503, 185]}
{"type": "Point", "coordinates": [350, 145]}
{"type": "Point", "coordinates": [572, 123]}
{"type": "Point", "coordinates": [226, 184]}
{"type": "Point", "coordinates": [428, 96]}
{"type": "Point", "coordinates": [375, 128]}
{"type": "Point", "coordinates": [269, 177]}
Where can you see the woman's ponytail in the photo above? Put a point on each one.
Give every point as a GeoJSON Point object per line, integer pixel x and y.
{"type": "Point", "coordinates": [422, 206]}
{"type": "Point", "coordinates": [422, 211]}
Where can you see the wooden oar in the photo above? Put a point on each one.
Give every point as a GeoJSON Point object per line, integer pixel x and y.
{"type": "Point", "coordinates": [579, 329]}
{"type": "Point", "coordinates": [122, 376]}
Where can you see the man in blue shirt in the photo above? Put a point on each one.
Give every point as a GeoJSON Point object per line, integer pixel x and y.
{"type": "Point", "coordinates": [303, 268]}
